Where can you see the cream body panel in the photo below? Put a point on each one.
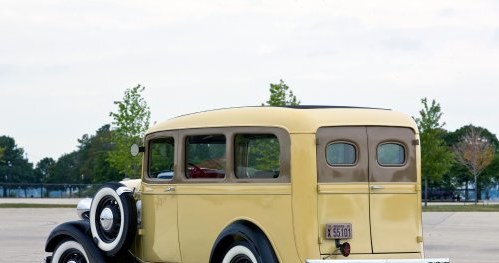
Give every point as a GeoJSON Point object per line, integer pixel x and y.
{"type": "Point", "coordinates": [345, 204]}
{"type": "Point", "coordinates": [159, 225]}
{"type": "Point", "coordinates": [206, 209]}
{"type": "Point", "coordinates": [395, 223]}
{"type": "Point", "coordinates": [304, 183]}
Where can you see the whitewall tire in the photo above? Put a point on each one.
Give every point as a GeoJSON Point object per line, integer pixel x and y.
{"type": "Point", "coordinates": [70, 251]}
{"type": "Point", "coordinates": [113, 218]}
{"type": "Point", "coordinates": [240, 252]}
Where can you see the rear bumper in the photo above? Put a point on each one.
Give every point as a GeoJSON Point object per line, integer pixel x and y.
{"type": "Point", "coordinates": [428, 260]}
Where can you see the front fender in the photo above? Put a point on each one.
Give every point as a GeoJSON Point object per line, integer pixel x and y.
{"type": "Point", "coordinates": [76, 230]}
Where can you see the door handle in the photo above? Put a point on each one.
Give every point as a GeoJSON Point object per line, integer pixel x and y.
{"type": "Point", "coordinates": [377, 187]}
{"type": "Point", "coordinates": [170, 189]}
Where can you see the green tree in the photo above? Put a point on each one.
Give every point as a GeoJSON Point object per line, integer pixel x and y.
{"type": "Point", "coordinates": [436, 157]}
{"type": "Point", "coordinates": [129, 125]}
{"type": "Point", "coordinates": [93, 153]}
{"type": "Point", "coordinates": [2, 150]}
{"type": "Point", "coordinates": [281, 95]}
{"type": "Point", "coordinates": [66, 170]}
{"type": "Point", "coordinates": [14, 167]}
{"type": "Point", "coordinates": [44, 168]}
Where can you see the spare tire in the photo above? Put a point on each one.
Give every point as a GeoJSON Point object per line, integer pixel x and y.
{"type": "Point", "coordinates": [113, 218]}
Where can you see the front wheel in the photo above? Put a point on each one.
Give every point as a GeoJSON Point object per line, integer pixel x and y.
{"type": "Point", "coordinates": [241, 252]}
{"type": "Point", "coordinates": [70, 251]}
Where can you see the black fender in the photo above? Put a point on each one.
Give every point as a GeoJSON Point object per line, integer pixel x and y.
{"type": "Point", "coordinates": [247, 231]}
{"type": "Point", "coordinates": [78, 231]}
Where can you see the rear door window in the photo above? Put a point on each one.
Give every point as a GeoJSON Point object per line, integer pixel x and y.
{"type": "Point", "coordinates": [341, 153]}
{"type": "Point", "coordinates": [391, 154]}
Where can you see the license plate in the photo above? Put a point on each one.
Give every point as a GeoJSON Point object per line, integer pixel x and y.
{"type": "Point", "coordinates": [339, 231]}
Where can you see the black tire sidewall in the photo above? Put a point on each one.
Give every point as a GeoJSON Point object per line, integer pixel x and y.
{"type": "Point", "coordinates": [258, 243]}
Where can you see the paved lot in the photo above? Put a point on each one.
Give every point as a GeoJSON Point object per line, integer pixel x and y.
{"type": "Point", "coordinates": [465, 237]}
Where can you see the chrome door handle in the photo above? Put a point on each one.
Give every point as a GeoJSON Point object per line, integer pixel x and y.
{"type": "Point", "coordinates": [377, 187]}
{"type": "Point", "coordinates": [170, 189]}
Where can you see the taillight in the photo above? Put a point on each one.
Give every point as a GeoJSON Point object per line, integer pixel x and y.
{"type": "Point", "coordinates": [345, 249]}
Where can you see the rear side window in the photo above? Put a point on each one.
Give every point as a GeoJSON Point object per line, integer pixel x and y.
{"type": "Point", "coordinates": [391, 154]}
{"type": "Point", "coordinates": [257, 156]}
{"type": "Point", "coordinates": [205, 156]}
{"type": "Point", "coordinates": [161, 158]}
{"type": "Point", "coordinates": [341, 153]}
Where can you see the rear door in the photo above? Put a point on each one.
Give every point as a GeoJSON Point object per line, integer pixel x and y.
{"type": "Point", "coordinates": [367, 178]}
{"type": "Point", "coordinates": [343, 187]}
{"type": "Point", "coordinates": [393, 195]}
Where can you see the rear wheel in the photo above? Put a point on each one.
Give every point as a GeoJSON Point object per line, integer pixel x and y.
{"type": "Point", "coordinates": [242, 242]}
{"type": "Point", "coordinates": [70, 251]}
{"type": "Point", "coordinates": [241, 252]}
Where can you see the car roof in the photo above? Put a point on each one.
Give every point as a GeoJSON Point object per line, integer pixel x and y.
{"type": "Point", "coordinates": [294, 119]}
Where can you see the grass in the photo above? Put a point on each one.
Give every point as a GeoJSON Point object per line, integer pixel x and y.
{"type": "Point", "coordinates": [462, 208]}
{"type": "Point", "coordinates": [25, 205]}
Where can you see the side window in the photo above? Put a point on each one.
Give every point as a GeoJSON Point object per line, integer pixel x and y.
{"type": "Point", "coordinates": [205, 156]}
{"type": "Point", "coordinates": [391, 154]}
{"type": "Point", "coordinates": [257, 156]}
{"type": "Point", "coordinates": [161, 157]}
{"type": "Point", "coordinates": [341, 153]}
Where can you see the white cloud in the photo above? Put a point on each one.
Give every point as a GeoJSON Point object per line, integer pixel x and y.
{"type": "Point", "coordinates": [63, 63]}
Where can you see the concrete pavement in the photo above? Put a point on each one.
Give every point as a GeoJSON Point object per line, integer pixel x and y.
{"type": "Point", "coordinates": [464, 237]}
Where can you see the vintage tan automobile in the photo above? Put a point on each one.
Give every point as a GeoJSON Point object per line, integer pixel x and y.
{"type": "Point", "coordinates": [261, 184]}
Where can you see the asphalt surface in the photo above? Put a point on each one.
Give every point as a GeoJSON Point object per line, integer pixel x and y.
{"type": "Point", "coordinates": [464, 237]}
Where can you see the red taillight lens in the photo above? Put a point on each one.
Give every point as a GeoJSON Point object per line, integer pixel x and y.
{"type": "Point", "coordinates": [345, 249]}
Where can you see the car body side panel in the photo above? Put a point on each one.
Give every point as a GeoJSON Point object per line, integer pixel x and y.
{"type": "Point", "coordinates": [206, 209]}
{"type": "Point", "coordinates": [304, 181]}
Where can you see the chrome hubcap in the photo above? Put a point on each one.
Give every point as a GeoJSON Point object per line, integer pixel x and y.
{"type": "Point", "coordinates": [106, 219]}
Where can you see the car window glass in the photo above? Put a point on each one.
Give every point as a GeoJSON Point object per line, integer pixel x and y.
{"type": "Point", "coordinates": [257, 156]}
{"type": "Point", "coordinates": [341, 153]}
{"type": "Point", "coordinates": [391, 154]}
{"type": "Point", "coordinates": [161, 158]}
{"type": "Point", "coordinates": [205, 156]}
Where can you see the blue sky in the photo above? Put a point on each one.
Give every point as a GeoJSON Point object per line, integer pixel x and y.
{"type": "Point", "coordinates": [63, 63]}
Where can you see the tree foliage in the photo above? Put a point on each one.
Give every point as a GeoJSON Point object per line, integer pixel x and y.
{"type": "Point", "coordinates": [475, 152]}
{"type": "Point", "coordinates": [436, 157]}
{"type": "Point", "coordinates": [130, 122]}
{"type": "Point", "coordinates": [281, 95]}
{"type": "Point", "coordinates": [2, 150]}
{"type": "Point", "coordinates": [94, 151]}
{"type": "Point", "coordinates": [44, 169]}
{"type": "Point", "coordinates": [14, 167]}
